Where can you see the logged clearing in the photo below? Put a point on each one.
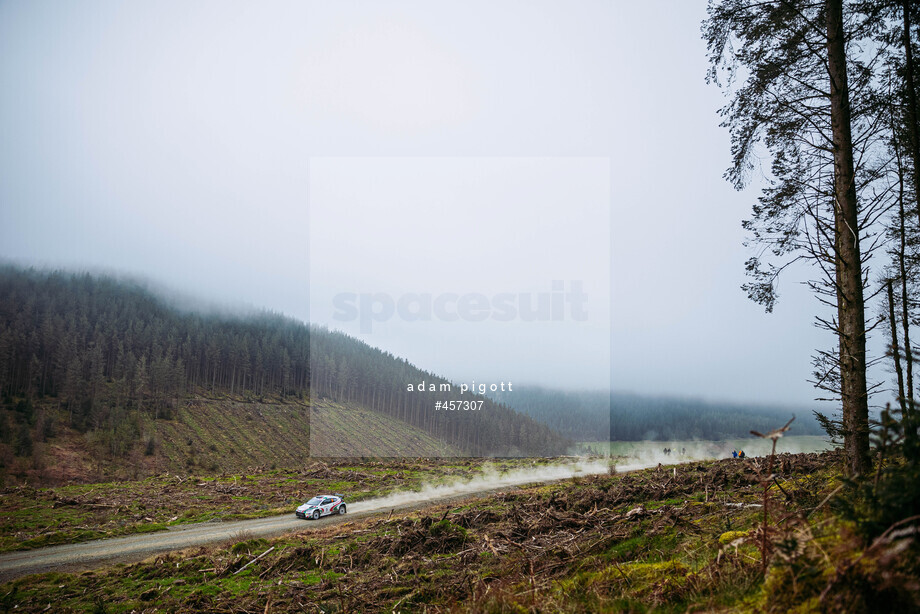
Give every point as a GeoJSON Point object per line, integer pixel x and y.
{"type": "Point", "coordinates": [219, 434]}
{"type": "Point", "coordinates": [339, 429]}
{"type": "Point", "coordinates": [203, 433]}
{"type": "Point", "coordinates": [682, 538]}
{"type": "Point", "coordinates": [227, 434]}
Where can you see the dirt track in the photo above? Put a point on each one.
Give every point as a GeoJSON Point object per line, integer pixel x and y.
{"type": "Point", "coordinates": [133, 548]}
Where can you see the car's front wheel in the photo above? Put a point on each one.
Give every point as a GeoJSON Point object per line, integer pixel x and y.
{"type": "Point", "coordinates": [341, 509]}
{"type": "Point", "coordinates": [315, 514]}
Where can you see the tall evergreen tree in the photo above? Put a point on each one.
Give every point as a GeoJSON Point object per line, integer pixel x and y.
{"type": "Point", "coordinates": [801, 85]}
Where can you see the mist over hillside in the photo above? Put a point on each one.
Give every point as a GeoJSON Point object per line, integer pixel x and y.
{"type": "Point", "coordinates": [623, 416]}
{"type": "Point", "coordinates": [110, 360]}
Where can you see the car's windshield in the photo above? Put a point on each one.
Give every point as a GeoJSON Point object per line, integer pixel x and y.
{"type": "Point", "coordinates": [315, 501]}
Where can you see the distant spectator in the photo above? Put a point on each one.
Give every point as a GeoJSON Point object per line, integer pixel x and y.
{"type": "Point", "coordinates": [741, 454]}
{"type": "Point", "coordinates": [734, 453]}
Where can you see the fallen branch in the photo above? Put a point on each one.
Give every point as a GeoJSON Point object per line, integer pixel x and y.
{"type": "Point", "coordinates": [253, 561]}
{"type": "Point", "coordinates": [780, 486]}
{"type": "Point", "coordinates": [826, 499]}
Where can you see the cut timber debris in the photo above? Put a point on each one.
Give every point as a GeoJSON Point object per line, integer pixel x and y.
{"type": "Point", "coordinates": [253, 561]}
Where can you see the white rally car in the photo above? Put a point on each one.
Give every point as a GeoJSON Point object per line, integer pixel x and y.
{"type": "Point", "coordinates": [322, 505]}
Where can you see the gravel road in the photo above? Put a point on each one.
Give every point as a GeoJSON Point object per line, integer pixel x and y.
{"type": "Point", "coordinates": [133, 548]}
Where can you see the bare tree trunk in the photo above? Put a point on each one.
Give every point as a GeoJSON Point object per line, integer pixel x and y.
{"type": "Point", "coordinates": [895, 350]}
{"type": "Point", "coordinates": [850, 301]}
{"type": "Point", "coordinates": [905, 299]}
{"type": "Point", "coordinates": [912, 129]}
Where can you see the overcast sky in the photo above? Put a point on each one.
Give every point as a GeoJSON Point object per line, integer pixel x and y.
{"type": "Point", "coordinates": [228, 150]}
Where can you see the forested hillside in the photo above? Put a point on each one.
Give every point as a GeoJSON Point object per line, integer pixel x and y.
{"type": "Point", "coordinates": [593, 416]}
{"type": "Point", "coordinates": [106, 351]}
{"type": "Point", "coordinates": [349, 370]}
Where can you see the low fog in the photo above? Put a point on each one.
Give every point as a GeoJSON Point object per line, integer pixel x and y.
{"type": "Point", "coordinates": [238, 153]}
